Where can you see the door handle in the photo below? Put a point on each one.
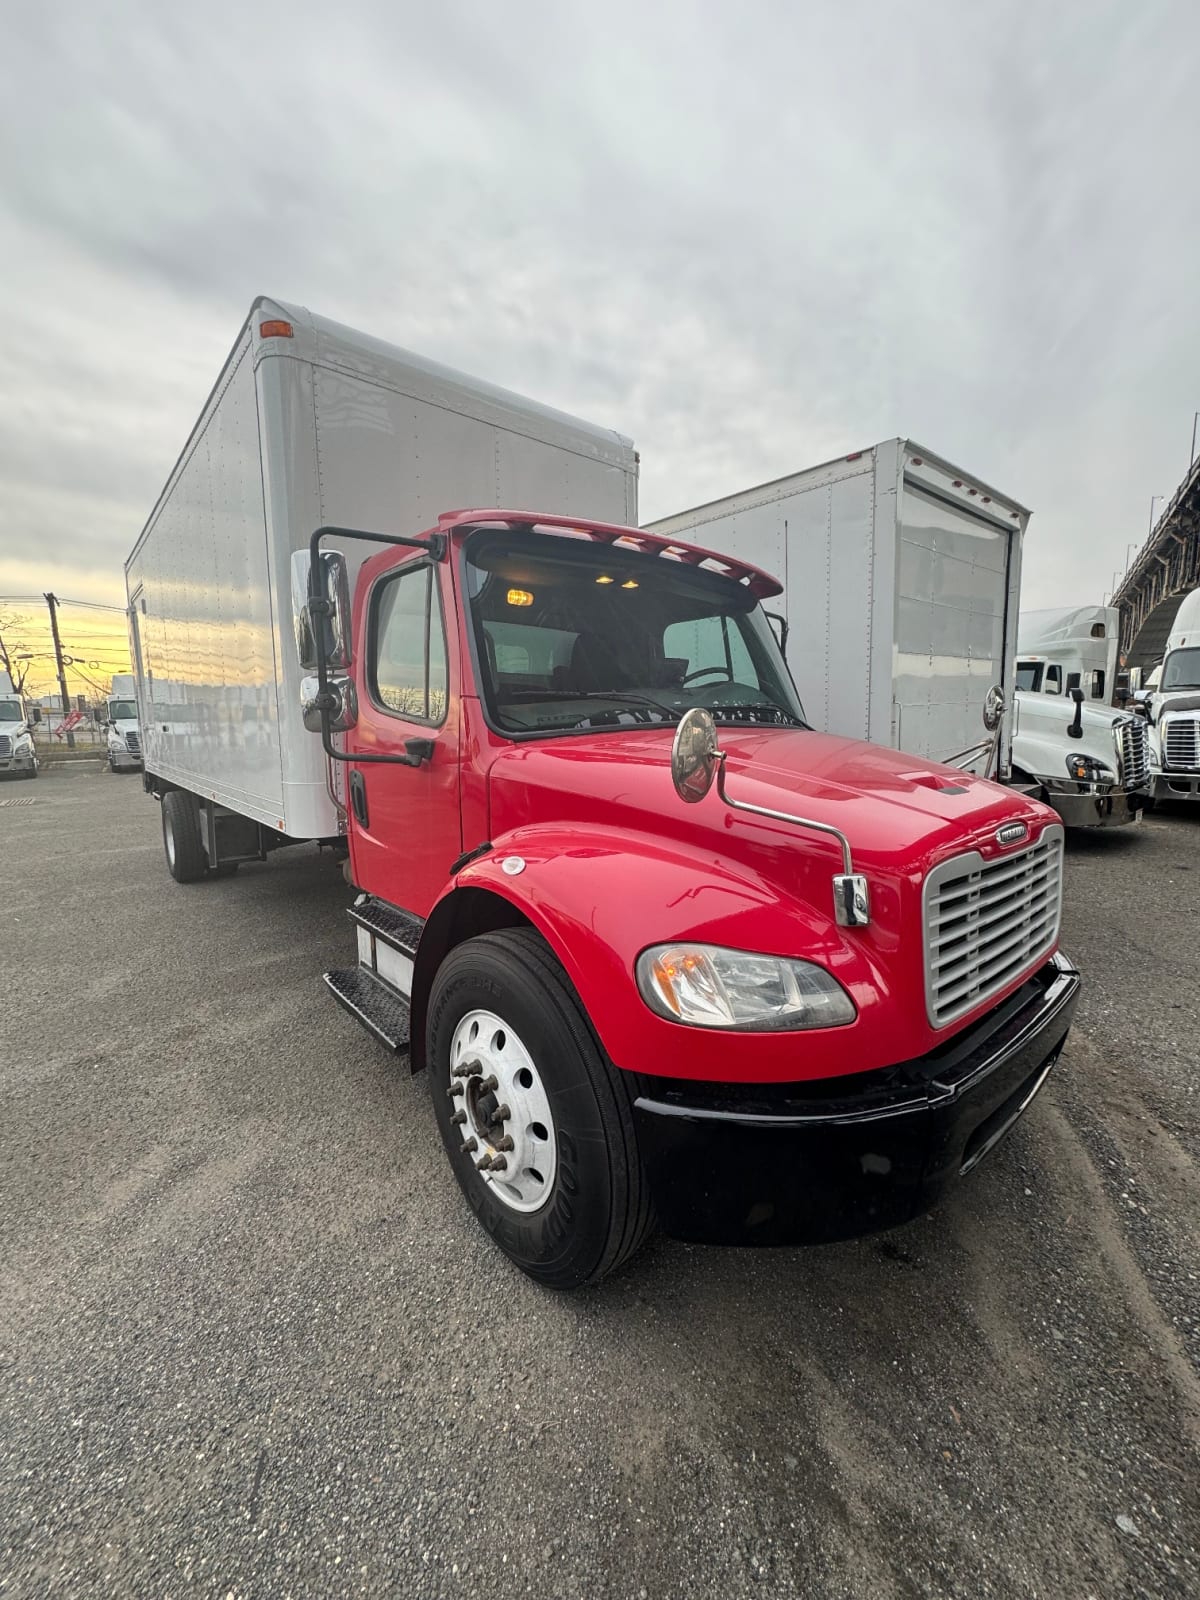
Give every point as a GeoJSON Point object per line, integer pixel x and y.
{"type": "Point", "coordinates": [358, 798]}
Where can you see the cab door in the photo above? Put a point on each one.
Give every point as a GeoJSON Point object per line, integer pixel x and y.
{"type": "Point", "coordinates": [405, 829]}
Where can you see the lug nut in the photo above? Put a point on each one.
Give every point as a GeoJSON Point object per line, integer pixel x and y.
{"type": "Point", "coordinates": [504, 1143]}
{"type": "Point", "coordinates": [484, 1163]}
{"type": "Point", "coordinates": [499, 1164]}
{"type": "Point", "coordinates": [471, 1144]}
{"type": "Point", "coordinates": [453, 1092]}
{"type": "Point", "coordinates": [502, 1114]}
{"type": "Point", "coordinates": [459, 1116]}
{"type": "Point", "coordinates": [489, 1083]}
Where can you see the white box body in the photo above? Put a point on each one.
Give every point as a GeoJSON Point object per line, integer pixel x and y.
{"type": "Point", "coordinates": [328, 427]}
{"type": "Point", "coordinates": [901, 580]}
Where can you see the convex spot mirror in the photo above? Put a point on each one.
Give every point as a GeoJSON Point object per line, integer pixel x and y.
{"type": "Point", "coordinates": [333, 587]}
{"type": "Point", "coordinates": [342, 702]}
{"type": "Point", "coordinates": [694, 755]}
{"type": "Point", "coordinates": [993, 708]}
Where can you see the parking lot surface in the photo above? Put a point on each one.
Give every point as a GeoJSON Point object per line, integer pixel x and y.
{"type": "Point", "coordinates": [253, 1343]}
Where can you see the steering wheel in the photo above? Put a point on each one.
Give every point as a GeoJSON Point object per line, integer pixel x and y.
{"type": "Point", "coordinates": [708, 672]}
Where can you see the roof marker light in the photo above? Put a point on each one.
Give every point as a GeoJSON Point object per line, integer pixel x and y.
{"type": "Point", "coordinates": [604, 578]}
{"type": "Point", "coordinates": [630, 583]}
{"type": "Point", "coordinates": [275, 330]}
{"type": "Point", "coordinates": [520, 597]}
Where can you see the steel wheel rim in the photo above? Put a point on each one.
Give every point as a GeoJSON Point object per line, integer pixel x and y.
{"type": "Point", "coordinates": [170, 833]}
{"type": "Point", "coordinates": [485, 1048]}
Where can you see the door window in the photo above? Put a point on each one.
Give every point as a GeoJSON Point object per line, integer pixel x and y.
{"type": "Point", "coordinates": [1053, 680]}
{"type": "Point", "coordinates": [407, 666]}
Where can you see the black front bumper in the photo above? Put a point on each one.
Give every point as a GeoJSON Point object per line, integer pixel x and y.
{"type": "Point", "coordinates": [808, 1162]}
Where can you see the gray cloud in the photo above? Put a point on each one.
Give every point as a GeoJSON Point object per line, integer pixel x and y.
{"type": "Point", "coordinates": [752, 237]}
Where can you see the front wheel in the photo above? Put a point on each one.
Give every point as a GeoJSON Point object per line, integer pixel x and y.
{"type": "Point", "coordinates": [536, 1120]}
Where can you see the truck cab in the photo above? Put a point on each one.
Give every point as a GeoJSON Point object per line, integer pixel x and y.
{"type": "Point", "coordinates": [1088, 760]}
{"type": "Point", "coordinates": [18, 753]}
{"type": "Point", "coordinates": [124, 738]}
{"type": "Point", "coordinates": [1171, 706]}
{"type": "Point", "coordinates": [664, 950]}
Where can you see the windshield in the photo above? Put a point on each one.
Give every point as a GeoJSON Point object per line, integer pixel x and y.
{"type": "Point", "coordinates": [122, 710]}
{"type": "Point", "coordinates": [571, 635]}
{"type": "Point", "coordinates": [1029, 675]}
{"type": "Point", "coordinates": [1181, 670]}
{"type": "Point", "coordinates": [10, 711]}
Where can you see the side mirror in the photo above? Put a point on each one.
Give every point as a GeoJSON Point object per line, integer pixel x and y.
{"type": "Point", "coordinates": [1075, 731]}
{"type": "Point", "coordinates": [333, 586]}
{"type": "Point", "coordinates": [35, 713]}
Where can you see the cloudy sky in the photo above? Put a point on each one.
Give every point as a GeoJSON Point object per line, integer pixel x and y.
{"type": "Point", "coordinates": [750, 236]}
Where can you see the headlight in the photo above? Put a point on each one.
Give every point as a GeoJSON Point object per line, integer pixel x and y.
{"type": "Point", "coordinates": [710, 987]}
{"type": "Point", "coordinates": [1153, 754]}
{"type": "Point", "coordinates": [1086, 769]}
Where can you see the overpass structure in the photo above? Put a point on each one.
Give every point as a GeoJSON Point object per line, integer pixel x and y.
{"type": "Point", "coordinates": [1165, 569]}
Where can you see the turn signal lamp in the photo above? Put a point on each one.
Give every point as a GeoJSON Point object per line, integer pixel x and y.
{"type": "Point", "coordinates": [520, 597]}
{"type": "Point", "coordinates": [275, 330]}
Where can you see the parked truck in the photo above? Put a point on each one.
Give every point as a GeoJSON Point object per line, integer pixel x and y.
{"type": "Point", "coordinates": [18, 752]}
{"type": "Point", "coordinates": [664, 951]}
{"type": "Point", "coordinates": [1088, 760]}
{"type": "Point", "coordinates": [901, 592]}
{"type": "Point", "coordinates": [123, 733]}
{"type": "Point", "coordinates": [1171, 705]}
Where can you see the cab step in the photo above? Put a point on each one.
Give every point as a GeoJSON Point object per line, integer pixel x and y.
{"type": "Point", "coordinates": [375, 1003]}
{"type": "Point", "coordinates": [399, 929]}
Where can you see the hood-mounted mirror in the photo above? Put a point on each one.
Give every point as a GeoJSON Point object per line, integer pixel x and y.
{"type": "Point", "coordinates": [993, 708]}
{"type": "Point", "coordinates": [697, 761]}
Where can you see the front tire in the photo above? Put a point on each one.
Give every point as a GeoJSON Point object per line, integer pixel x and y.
{"type": "Point", "coordinates": [186, 861]}
{"type": "Point", "coordinates": [569, 1202]}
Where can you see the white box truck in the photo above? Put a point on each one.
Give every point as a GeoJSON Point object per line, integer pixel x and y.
{"type": "Point", "coordinates": [901, 576]}
{"type": "Point", "coordinates": [313, 424]}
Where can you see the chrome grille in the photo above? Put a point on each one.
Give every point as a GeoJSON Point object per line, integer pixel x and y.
{"type": "Point", "coordinates": [988, 921]}
{"type": "Point", "coordinates": [1181, 742]}
{"type": "Point", "coordinates": [5, 745]}
{"type": "Point", "coordinates": [1133, 742]}
{"type": "Point", "coordinates": [133, 744]}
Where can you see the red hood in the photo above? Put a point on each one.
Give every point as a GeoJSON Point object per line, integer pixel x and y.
{"type": "Point", "coordinates": [900, 814]}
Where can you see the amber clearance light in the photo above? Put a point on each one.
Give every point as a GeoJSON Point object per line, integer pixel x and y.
{"type": "Point", "coordinates": [520, 597]}
{"type": "Point", "coordinates": [275, 330]}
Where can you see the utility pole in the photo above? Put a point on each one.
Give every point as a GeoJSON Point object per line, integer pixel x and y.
{"type": "Point", "coordinates": [52, 602]}
{"type": "Point", "coordinates": [1195, 420]}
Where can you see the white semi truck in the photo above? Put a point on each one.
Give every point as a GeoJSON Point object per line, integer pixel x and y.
{"type": "Point", "coordinates": [124, 732]}
{"type": "Point", "coordinates": [18, 753]}
{"type": "Point", "coordinates": [1172, 707]}
{"type": "Point", "coordinates": [1090, 761]}
{"type": "Point", "coordinates": [902, 584]}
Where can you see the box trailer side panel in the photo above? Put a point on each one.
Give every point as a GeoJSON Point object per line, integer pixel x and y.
{"type": "Point", "coordinates": [333, 428]}
{"type": "Point", "coordinates": [202, 613]}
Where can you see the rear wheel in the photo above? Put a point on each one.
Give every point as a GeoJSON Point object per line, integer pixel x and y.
{"type": "Point", "coordinates": [186, 861]}
{"type": "Point", "coordinates": [535, 1118]}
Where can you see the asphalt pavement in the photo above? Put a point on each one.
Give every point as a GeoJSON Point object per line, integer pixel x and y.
{"type": "Point", "coordinates": [253, 1344]}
